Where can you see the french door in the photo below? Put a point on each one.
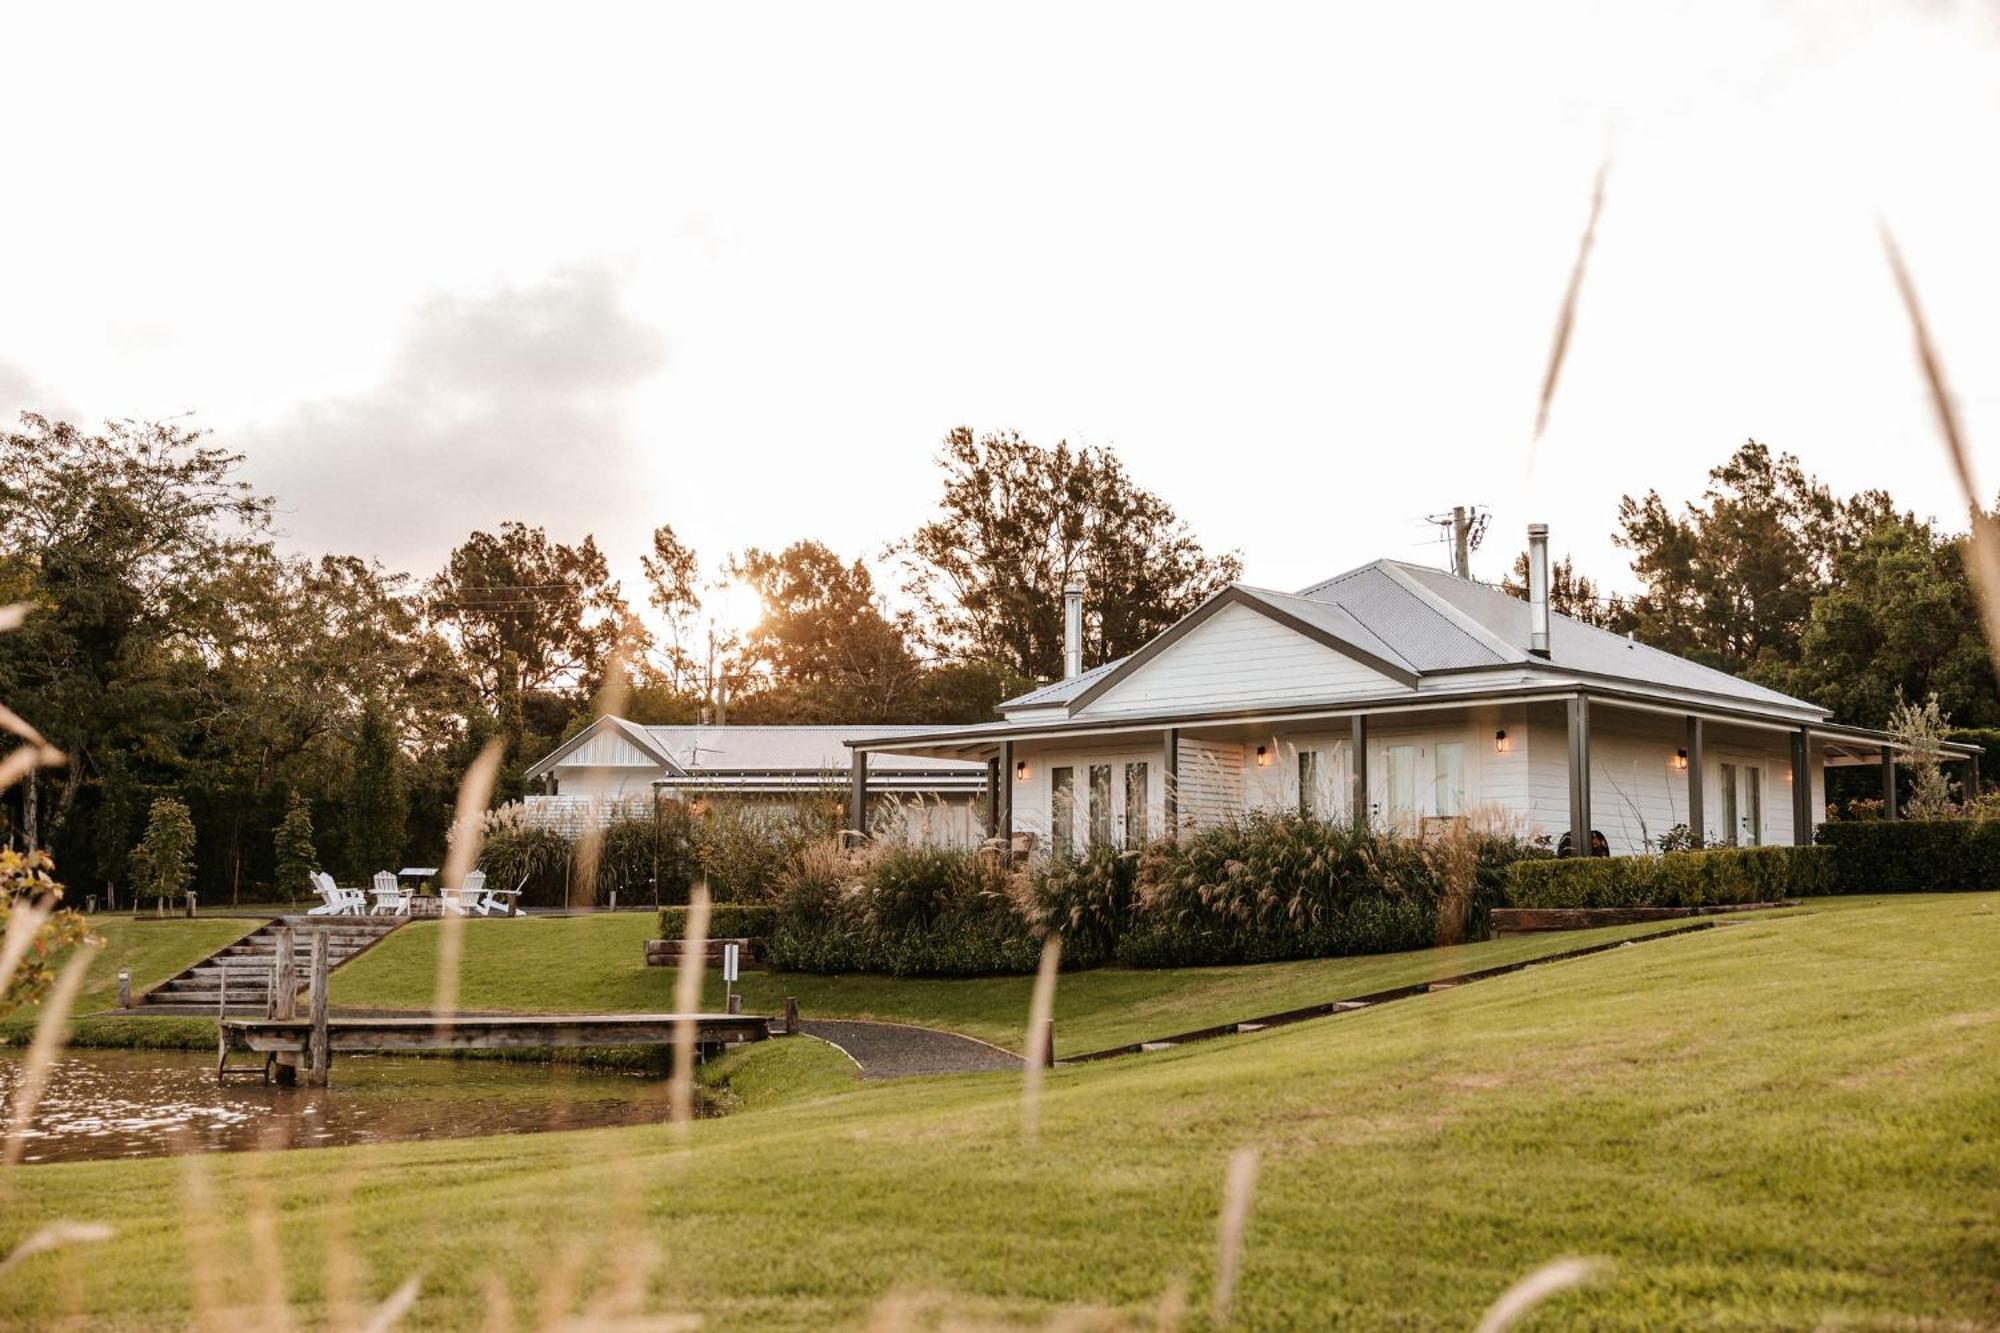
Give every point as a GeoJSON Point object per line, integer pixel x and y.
{"type": "Point", "coordinates": [1742, 789]}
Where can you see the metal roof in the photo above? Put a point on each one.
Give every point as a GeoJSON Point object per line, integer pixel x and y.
{"type": "Point", "coordinates": [1433, 623]}
{"type": "Point", "coordinates": [787, 750]}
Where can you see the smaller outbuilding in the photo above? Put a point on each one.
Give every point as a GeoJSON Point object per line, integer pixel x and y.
{"type": "Point", "coordinates": [614, 767]}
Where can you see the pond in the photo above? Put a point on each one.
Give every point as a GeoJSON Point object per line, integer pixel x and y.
{"type": "Point", "coordinates": [119, 1103]}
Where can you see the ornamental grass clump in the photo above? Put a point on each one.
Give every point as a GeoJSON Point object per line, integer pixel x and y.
{"type": "Point", "coordinates": [1088, 900]}
{"type": "Point", "coordinates": [907, 911]}
{"type": "Point", "coordinates": [1268, 887]}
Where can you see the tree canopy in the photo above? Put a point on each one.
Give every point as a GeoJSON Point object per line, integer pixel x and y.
{"type": "Point", "coordinates": [1017, 523]}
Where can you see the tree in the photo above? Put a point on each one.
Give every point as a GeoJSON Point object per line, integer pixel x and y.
{"type": "Point", "coordinates": [294, 854]}
{"type": "Point", "coordinates": [673, 578]}
{"type": "Point", "coordinates": [1897, 619]}
{"type": "Point", "coordinates": [375, 806]}
{"type": "Point", "coordinates": [527, 614]}
{"type": "Point", "coordinates": [823, 644]}
{"type": "Point", "coordinates": [1018, 523]}
{"type": "Point", "coordinates": [1730, 580]}
{"type": "Point", "coordinates": [1920, 729]}
{"type": "Point", "coordinates": [1571, 594]}
{"type": "Point", "coordinates": [964, 692]}
{"type": "Point", "coordinates": [163, 862]}
{"type": "Point", "coordinates": [122, 537]}
{"type": "Point", "coordinates": [27, 884]}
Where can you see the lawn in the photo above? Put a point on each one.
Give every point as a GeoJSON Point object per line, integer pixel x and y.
{"type": "Point", "coordinates": [596, 963]}
{"type": "Point", "coordinates": [1786, 1122]}
{"type": "Point", "coordinates": [154, 949]}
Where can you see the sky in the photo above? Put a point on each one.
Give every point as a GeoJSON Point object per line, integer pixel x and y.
{"type": "Point", "coordinates": [740, 268]}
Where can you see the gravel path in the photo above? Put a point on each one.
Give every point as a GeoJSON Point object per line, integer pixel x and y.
{"type": "Point", "coordinates": [898, 1050]}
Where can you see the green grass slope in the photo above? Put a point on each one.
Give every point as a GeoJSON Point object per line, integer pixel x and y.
{"type": "Point", "coordinates": [593, 963]}
{"type": "Point", "coordinates": [1787, 1122]}
{"type": "Point", "coordinates": [153, 949]}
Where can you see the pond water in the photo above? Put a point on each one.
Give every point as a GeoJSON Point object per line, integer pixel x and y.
{"type": "Point", "coordinates": [117, 1103]}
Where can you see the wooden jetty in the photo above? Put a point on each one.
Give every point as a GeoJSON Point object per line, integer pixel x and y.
{"type": "Point", "coordinates": [287, 1043]}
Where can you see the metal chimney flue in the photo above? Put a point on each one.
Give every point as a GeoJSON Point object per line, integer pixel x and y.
{"type": "Point", "coordinates": [1072, 631]}
{"type": "Point", "coordinates": [1538, 589]}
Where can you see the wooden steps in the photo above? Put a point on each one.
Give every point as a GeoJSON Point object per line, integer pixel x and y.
{"type": "Point", "coordinates": [245, 966]}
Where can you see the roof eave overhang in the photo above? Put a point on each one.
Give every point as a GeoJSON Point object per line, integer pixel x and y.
{"type": "Point", "coordinates": [1717, 709]}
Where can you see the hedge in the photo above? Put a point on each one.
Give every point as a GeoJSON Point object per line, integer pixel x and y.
{"type": "Point", "coordinates": [1677, 879]}
{"type": "Point", "coordinates": [726, 921]}
{"type": "Point", "coordinates": [1914, 855]}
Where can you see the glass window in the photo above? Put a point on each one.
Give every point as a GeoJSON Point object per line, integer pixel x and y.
{"type": "Point", "coordinates": [1450, 777]}
{"type": "Point", "coordinates": [1062, 810]}
{"type": "Point", "coordinates": [1753, 807]}
{"type": "Point", "coordinates": [1311, 799]}
{"type": "Point", "coordinates": [1728, 785]}
{"type": "Point", "coordinates": [1402, 782]}
{"type": "Point", "coordinates": [1100, 805]}
{"type": "Point", "coordinates": [1135, 804]}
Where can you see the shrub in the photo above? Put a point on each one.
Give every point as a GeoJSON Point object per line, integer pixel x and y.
{"type": "Point", "coordinates": [726, 921]}
{"type": "Point", "coordinates": [625, 860]}
{"type": "Point", "coordinates": [1087, 900]}
{"type": "Point", "coordinates": [1914, 855]}
{"type": "Point", "coordinates": [296, 857]}
{"type": "Point", "coordinates": [163, 862]}
{"type": "Point", "coordinates": [744, 847]}
{"type": "Point", "coordinates": [536, 860]}
{"type": "Point", "coordinates": [1677, 879]}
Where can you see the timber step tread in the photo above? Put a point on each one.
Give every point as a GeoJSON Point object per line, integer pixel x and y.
{"type": "Point", "coordinates": [240, 972]}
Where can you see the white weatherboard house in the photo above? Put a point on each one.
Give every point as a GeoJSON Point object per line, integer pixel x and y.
{"type": "Point", "coordinates": [1404, 697]}
{"type": "Point", "coordinates": [613, 766]}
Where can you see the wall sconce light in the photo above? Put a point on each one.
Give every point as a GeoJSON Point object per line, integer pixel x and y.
{"type": "Point", "coordinates": [1500, 742]}
{"type": "Point", "coordinates": [1021, 770]}
{"type": "Point", "coordinates": [1263, 756]}
{"type": "Point", "coordinates": [1681, 760]}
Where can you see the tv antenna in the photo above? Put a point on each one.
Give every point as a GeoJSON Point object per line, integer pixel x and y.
{"type": "Point", "coordinates": [1464, 528]}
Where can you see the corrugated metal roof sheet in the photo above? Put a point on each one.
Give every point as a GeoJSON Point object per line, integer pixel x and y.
{"type": "Point", "coordinates": [1575, 646]}
{"type": "Point", "coordinates": [763, 749]}
{"type": "Point", "coordinates": [1062, 691]}
{"type": "Point", "coordinates": [1424, 636]}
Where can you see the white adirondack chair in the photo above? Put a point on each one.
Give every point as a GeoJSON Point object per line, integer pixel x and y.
{"type": "Point", "coordinates": [330, 903]}
{"type": "Point", "coordinates": [390, 897]}
{"type": "Point", "coordinates": [339, 901]}
{"type": "Point", "coordinates": [472, 894]}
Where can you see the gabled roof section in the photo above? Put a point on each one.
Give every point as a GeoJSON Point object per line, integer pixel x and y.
{"type": "Point", "coordinates": [1412, 623]}
{"type": "Point", "coordinates": [628, 731]}
{"type": "Point", "coordinates": [1331, 626]}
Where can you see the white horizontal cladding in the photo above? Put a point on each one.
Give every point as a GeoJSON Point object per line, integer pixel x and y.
{"type": "Point", "coordinates": [1239, 657]}
{"type": "Point", "coordinates": [1210, 786]}
{"type": "Point", "coordinates": [607, 784]}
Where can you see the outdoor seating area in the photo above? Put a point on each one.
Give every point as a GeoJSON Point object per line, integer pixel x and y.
{"type": "Point", "coordinates": [393, 893]}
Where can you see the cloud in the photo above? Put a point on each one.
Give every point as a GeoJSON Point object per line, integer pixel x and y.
{"type": "Point", "coordinates": [21, 392]}
{"type": "Point", "coordinates": [506, 404]}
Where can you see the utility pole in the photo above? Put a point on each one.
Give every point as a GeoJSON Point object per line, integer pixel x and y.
{"type": "Point", "coordinates": [1466, 526]}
